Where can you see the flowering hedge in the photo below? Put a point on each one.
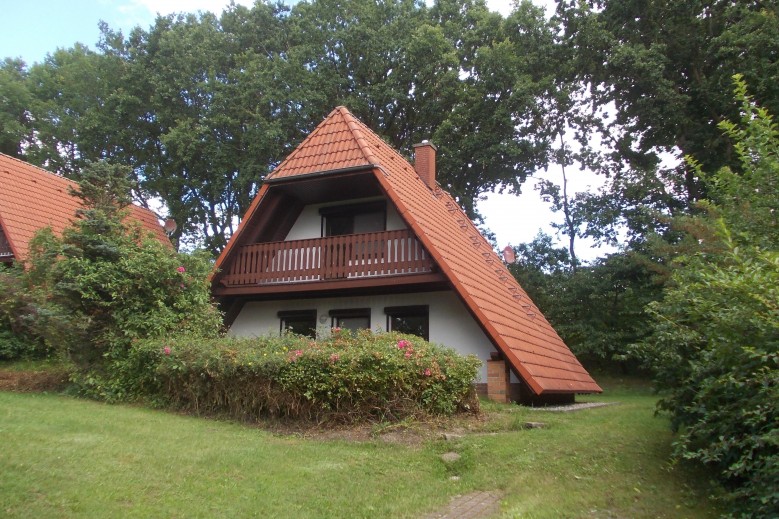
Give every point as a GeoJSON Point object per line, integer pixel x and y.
{"type": "Point", "coordinates": [345, 378]}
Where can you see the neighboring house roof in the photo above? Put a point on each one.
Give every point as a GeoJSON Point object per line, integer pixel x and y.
{"type": "Point", "coordinates": [503, 309]}
{"type": "Point", "coordinates": [32, 198]}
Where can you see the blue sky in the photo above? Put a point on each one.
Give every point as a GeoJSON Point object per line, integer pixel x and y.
{"type": "Point", "coordinates": [34, 28]}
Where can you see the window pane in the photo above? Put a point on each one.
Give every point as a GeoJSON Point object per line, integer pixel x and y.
{"type": "Point", "coordinates": [354, 323]}
{"type": "Point", "coordinates": [412, 324]}
{"type": "Point", "coordinates": [369, 222]}
{"type": "Point", "coordinates": [339, 225]}
{"type": "Point", "coordinates": [300, 325]}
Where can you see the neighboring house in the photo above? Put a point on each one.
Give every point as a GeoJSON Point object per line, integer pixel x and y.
{"type": "Point", "coordinates": [32, 198]}
{"type": "Point", "coordinates": [346, 233]}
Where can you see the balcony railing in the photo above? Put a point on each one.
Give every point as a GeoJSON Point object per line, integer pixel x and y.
{"type": "Point", "coordinates": [387, 253]}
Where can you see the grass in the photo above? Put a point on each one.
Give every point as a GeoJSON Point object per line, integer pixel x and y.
{"type": "Point", "coordinates": [63, 457]}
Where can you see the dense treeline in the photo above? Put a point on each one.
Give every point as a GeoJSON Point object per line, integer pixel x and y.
{"type": "Point", "coordinates": [201, 107]}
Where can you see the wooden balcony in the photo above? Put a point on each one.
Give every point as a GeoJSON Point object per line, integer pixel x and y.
{"type": "Point", "coordinates": [353, 257]}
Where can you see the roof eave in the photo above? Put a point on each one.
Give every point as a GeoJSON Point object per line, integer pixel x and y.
{"type": "Point", "coordinates": [318, 174]}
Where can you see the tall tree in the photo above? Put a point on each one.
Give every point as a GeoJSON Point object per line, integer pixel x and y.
{"type": "Point", "coordinates": [202, 107]}
{"type": "Point", "coordinates": [15, 100]}
{"type": "Point", "coordinates": [665, 66]}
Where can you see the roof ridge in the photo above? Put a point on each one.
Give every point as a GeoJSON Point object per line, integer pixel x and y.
{"type": "Point", "coordinates": [356, 127]}
{"type": "Point", "coordinates": [347, 121]}
{"type": "Point", "coordinates": [386, 145]}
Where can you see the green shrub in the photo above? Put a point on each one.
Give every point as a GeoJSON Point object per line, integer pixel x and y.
{"type": "Point", "coordinates": [105, 283]}
{"type": "Point", "coordinates": [346, 378]}
{"type": "Point", "coordinates": [18, 334]}
{"type": "Point", "coordinates": [113, 282]}
{"type": "Point", "coordinates": [715, 339]}
{"type": "Point", "coordinates": [716, 349]}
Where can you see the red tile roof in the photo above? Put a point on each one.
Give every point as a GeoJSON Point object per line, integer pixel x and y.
{"type": "Point", "coordinates": [506, 313]}
{"type": "Point", "coordinates": [32, 198]}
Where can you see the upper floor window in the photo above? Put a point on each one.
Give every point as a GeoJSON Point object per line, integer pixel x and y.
{"type": "Point", "coordinates": [354, 218]}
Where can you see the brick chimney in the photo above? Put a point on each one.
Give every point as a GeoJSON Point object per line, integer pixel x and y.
{"type": "Point", "coordinates": [424, 162]}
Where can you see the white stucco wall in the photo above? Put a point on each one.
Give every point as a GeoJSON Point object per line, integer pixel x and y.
{"type": "Point", "coordinates": [309, 223]}
{"type": "Point", "coordinates": [450, 322]}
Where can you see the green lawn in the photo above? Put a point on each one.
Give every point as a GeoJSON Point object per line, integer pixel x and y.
{"type": "Point", "coordinates": [63, 457]}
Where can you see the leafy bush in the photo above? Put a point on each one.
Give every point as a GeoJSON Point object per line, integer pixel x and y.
{"type": "Point", "coordinates": [716, 348]}
{"type": "Point", "coordinates": [597, 309]}
{"type": "Point", "coordinates": [107, 282]}
{"type": "Point", "coordinates": [18, 336]}
{"type": "Point", "coordinates": [715, 337]}
{"type": "Point", "coordinates": [346, 378]}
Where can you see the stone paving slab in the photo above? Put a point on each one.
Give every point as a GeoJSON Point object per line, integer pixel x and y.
{"type": "Point", "coordinates": [567, 408]}
{"type": "Point", "coordinates": [476, 505]}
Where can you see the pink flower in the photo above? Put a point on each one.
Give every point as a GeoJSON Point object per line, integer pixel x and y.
{"type": "Point", "coordinates": [166, 350]}
{"type": "Point", "coordinates": [402, 344]}
{"type": "Point", "coordinates": [298, 353]}
{"type": "Point", "coordinates": [334, 357]}
{"type": "Point", "coordinates": [183, 285]}
{"type": "Point", "coordinates": [181, 269]}
{"type": "Point", "coordinates": [428, 372]}
{"type": "Point", "coordinates": [407, 355]}
{"type": "Point", "coordinates": [336, 330]}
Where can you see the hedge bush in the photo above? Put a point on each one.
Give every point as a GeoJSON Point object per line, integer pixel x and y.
{"type": "Point", "coordinates": [18, 316]}
{"type": "Point", "coordinates": [714, 344]}
{"type": "Point", "coordinates": [346, 378]}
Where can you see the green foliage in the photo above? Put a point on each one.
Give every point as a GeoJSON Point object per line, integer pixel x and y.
{"type": "Point", "coordinates": [715, 341]}
{"type": "Point", "coordinates": [345, 378]}
{"type": "Point", "coordinates": [15, 101]}
{"type": "Point", "coordinates": [18, 332]}
{"type": "Point", "coordinates": [107, 282]}
{"type": "Point", "coordinates": [666, 66]}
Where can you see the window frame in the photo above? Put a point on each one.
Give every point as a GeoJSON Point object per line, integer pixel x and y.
{"type": "Point", "coordinates": [342, 313]}
{"type": "Point", "coordinates": [408, 311]}
{"type": "Point", "coordinates": [284, 315]}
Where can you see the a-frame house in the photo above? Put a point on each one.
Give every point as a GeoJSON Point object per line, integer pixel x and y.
{"type": "Point", "coordinates": [345, 232]}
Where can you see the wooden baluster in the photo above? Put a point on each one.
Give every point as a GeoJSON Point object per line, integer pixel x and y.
{"type": "Point", "coordinates": [255, 263]}
{"type": "Point", "coordinates": [289, 264]}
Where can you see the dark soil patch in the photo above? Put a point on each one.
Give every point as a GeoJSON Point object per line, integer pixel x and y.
{"type": "Point", "coordinates": [410, 432]}
{"type": "Point", "coordinates": [33, 381]}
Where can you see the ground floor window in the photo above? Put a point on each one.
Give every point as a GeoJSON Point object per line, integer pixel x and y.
{"type": "Point", "coordinates": [414, 320]}
{"type": "Point", "coordinates": [302, 322]}
{"type": "Point", "coordinates": [351, 319]}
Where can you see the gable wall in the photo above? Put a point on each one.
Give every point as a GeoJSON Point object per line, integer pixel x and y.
{"type": "Point", "coordinates": [450, 323]}
{"type": "Point", "coordinates": [309, 223]}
